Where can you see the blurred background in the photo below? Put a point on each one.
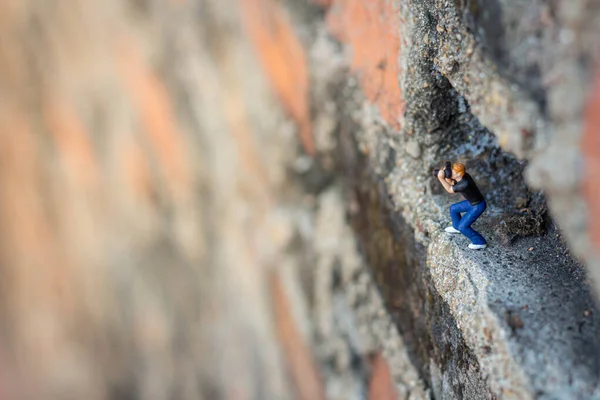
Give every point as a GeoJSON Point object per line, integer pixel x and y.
{"type": "Point", "coordinates": [233, 199]}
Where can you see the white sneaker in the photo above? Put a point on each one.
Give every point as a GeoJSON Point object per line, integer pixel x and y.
{"type": "Point", "coordinates": [450, 229]}
{"type": "Point", "coordinates": [477, 246]}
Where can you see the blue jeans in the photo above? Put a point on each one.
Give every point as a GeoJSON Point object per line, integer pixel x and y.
{"type": "Point", "coordinates": [463, 224]}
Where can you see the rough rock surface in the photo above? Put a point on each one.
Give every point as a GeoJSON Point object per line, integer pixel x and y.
{"type": "Point", "coordinates": [233, 199]}
{"type": "Point", "coordinates": [514, 321]}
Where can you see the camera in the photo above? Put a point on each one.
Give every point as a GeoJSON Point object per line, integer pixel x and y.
{"type": "Point", "coordinates": [447, 171]}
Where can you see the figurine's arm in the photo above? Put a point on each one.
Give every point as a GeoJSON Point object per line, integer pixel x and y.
{"type": "Point", "coordinates": [446, 185]}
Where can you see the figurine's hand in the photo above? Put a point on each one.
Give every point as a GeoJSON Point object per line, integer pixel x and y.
{"type": "Point", "coordinates": [441, 174]}
{"type": "Point", "coordinates": [450, 181]}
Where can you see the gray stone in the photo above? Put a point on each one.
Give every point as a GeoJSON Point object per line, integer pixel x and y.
{"type": "Point", "coordinates": [469, 319]}
{"type": "Point", "coordinates": [512, 321]}
{"type": "Point", "coordinates": [413, 149]}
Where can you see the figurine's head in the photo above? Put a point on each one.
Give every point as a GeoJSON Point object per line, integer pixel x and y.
{"type": "Point", "coordinates": [458, 170]}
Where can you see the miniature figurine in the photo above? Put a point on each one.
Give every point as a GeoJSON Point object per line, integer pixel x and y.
{"type": "Point", "coordinates": [455, 180]}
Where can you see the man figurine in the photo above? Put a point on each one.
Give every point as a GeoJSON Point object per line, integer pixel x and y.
{"type": "Point", "coordinates": [473, 205]}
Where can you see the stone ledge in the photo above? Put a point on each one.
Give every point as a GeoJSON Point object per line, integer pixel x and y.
{"type": "Point", "coordinates": [528, 315]}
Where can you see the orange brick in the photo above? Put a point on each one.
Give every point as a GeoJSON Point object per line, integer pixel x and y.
{"type": "Point", "coordinates": [72, 142]}
{"type": "Point", "coordinates": [324, 3]}
{"type": "Point", "coordinates": [590, 148]}
{"type": "Point", "coordinates": [371, 28]}
{"type": "Point", "coordinates": [300, 362]}
{"type": "Point", "coordinates": [381, 386]}
{"type": "Point", "coordinates": [155, 113]}
{"type": "Point", "coordinates": [283, 59]}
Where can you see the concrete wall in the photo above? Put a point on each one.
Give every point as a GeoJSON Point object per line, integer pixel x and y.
{"type": "Point", "coordinates": [233, 199]}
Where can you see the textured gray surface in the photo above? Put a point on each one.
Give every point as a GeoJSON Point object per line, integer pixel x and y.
{"type": "Point", "coordinates": [483, 83]}
{"type": "Point", "coordinates": [526, 68]}
{"type": "Point", "coordinates": [526, 311]}
{"type": "Point", "coordinates": [505, 322]}
{"type": "Point", "coordinates": [352, 322]}
{"type": "Point", "coordinates": [532, 281]}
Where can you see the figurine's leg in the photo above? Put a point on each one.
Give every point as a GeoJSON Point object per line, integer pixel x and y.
{"type": "Point", "coordinates": [456, 209]}
{"type": "Point", "coordinates": [469, 218]}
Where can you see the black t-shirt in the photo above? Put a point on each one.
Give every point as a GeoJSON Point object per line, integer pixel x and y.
{"type": "Point", "coordinates": [467, 187]}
